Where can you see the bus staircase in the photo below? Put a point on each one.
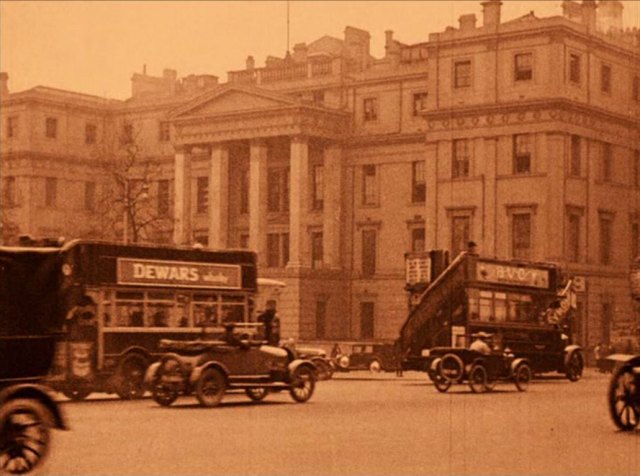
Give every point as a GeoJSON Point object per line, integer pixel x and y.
{"type": "Point", "coordinates": [426, 326]}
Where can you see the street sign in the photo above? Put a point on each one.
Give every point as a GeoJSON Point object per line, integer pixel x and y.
{"type": "Point", "coordinates": [417, 268]}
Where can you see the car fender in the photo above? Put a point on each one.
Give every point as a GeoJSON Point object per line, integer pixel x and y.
{"type": "Point", "coordinates": [570, 350]}
{"type": "Point", "coordinates": [197, 372]}
{"type": "Point", "coordinates": [459, 365]}
{"type": "Point", "coordinates": [293, 366]}
{"type": "Point", "coordinates": [39, 393]}
{"type": "Point", "coordinates": [150, 374]}
{"type": "Point", "coordinates": [516, 363]}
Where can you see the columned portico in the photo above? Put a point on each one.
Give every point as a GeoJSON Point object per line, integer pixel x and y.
{"type": "Point", "coordinates": [332, 219]}
{"type": "Point", "coordinates": [219, 197]}
{"type": "Point", "coordinates": [258, 198]}
{"type": "Point", "coordinates": [299, 202]}
{"type": "Point", "coordinates": [182, 212]}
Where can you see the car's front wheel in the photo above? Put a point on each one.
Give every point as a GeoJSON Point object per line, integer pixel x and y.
{"type": "Point", "coordinates": [256, 394]}
{"type": "Point", "coordinates": [478, 379]}
{"type": "Point", "coordinates": [624, 398]}
{"type": "Point", "coordinates": [375, 366]}
{"type": "Point", "coordinates": [303, 383]}
{"type": "Point", "coordinates": [164, 394]}
{"type": "Point", "coordinates": [24, 435]}
{"type": "Point", "coordinates": [76, 393]}
{"type": "Point", "coordinates": [210, 388]}
{"type": "Point", "coordinates": [522, 377]}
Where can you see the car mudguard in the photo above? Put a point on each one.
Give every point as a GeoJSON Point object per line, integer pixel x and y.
{"type": "Point", "coordinates": [516, 362]}
{"type": "Point", "coordinates": [39, 393]}
{"type": "Point", "coordinates": [197, 372]}
{"type": "Point", "coordinates": [151, 372]}
{"type": "Point", "coordinates": [299, 363]}
{"type": "Point", "coordinates": [570, 350]}
{"type": "Point", "coordinates": [459, 365]}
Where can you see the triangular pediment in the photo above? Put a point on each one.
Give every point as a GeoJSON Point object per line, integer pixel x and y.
{"type": "Point", "coordinates": [233, 99]}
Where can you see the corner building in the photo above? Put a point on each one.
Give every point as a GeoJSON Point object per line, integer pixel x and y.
{"type": "Point", "coordinates": [332, 164]}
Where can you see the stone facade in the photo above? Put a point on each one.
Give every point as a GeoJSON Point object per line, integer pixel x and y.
{"type": "Point", "coordinates": [332, 164]}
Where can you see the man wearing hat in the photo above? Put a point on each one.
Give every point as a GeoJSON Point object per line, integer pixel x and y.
{"type": "Point", "coordinates": [480, 343]}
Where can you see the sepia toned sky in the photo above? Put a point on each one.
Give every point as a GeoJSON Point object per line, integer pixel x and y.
{"type": "Point", "coordinates": [95, 46]}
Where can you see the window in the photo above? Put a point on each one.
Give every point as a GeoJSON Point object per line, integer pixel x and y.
{"type": "Point", "coordinates": [243, 242]}
{"type": "Point", "coordinates": [636, 168]}
{"type": "Point", "coordinates": [51, 127]}
{"type": "Point", "coordinates": [496, 306]}
{"type": "Point", "coordinates": [460, 163]}
{"type": "Point", "coordinates": [9, 191]}
{"type": "Point", "coordinates": [635, 240]}
{"type": "Point", "coordinates": [605, 79]}
{"type": "Point", "coordinates": [164, 132]}
{"type": "Point", "coordinates": [90, 133]}
{"type": "Point", "coordinates": [277, 250]}
{"type": "Point", "coordinates": [12, 126]}
{"type": "Point", "coordinates": [278, 189]}
{"type": "Point", "coordinates": [607, 163]}
{"type": "Point", "coordinates": [127, 134]}
{"type": "Point", "coordinates": [368, 252]}
{"type": "Point", "coordinates": [316, 250]}
{"type": "Point", "coordinates": [576, 155]}
{"type": "Point", "coordinates": [521, 235]}
{"type": "Point", "coordinates": [369, 185]}
{"type": "Point", "coordinates": [521, 153]}
{"type": "Point", "coordinates": [367, 311]}
{"type": "Point", "coordinates": [523, 67]}
{"type": "Point", "coordinates": [370, 107]}
{"type": "Point", "coordinates": [50, 191]}
{"type": "Point", "coordinates": [317, 201]}
{"type": "Point", "coordinates": [460, 234]}
{"type": "Point", "coordinates": [321, 319]}
{"type": "Point", "coordinates": [163, 198]}
{"type": "Point", "coordinates": [417, 239]}
{"type": "Point", "coordinates": [202, 195]}
{"type": "Point", "coordinates": [462, 74]}
{"type": "Point", "coordinates": [418, 183]}
{"type": "Point", "coordinates": [574, 68]}
{"type": "Point", "coordinates": [89, 196]}
{"type": "Point", "coordinates": [244, 191]}
{"type": "Point", "coordinates": [635, 88]}
{"type": "Point", "coordinates": [573, 237]}
{"type": "Point", "coordinates": [419, 103]}
{"type": "Point", "coordinates": [201, 236]}
{"type": "Point", "coordinates": [607, 318]}
{"type": "Point", "coordinates": [606, 238]}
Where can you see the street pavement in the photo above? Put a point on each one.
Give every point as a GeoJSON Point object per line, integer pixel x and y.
{"type": "Point", "coordinates": [355, 424]}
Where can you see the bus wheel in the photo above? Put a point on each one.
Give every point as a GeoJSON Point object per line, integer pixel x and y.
{"type": "Point", "coordinates": [130, 377]}
{"type": "Point", "coordinates": [24, 433]}
{"type": "Point", "coordinates": [76, 393]}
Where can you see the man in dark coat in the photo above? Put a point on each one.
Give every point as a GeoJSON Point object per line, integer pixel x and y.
{"type": "Point", "coordinates": [270, 322]}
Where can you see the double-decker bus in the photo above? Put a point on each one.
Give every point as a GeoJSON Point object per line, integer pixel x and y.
{"type": "Point", "coordinates": [524, 306]}
{"type": "Point", "coordinates": [118, 301]}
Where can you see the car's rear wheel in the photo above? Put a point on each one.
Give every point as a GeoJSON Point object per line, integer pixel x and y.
{"type": "Point", "coordinates": [478, 379]}
{"type": "Point", "coordinates": [624, 401]}
{"type": "Point", "coordinates": [210, 388]}
{"type": "Point", "coordinates": [256, 394]}
{"type": "Point", "coordinates": [130, 377]}
{"type": "Point", "coordinates": [522, 377]}
{"type": "Point", "coordinates": [375, 366]}
{"type": "Point", "coordinates": [25, 435]}
{"type": "Point", "coordinates": [303, 383]}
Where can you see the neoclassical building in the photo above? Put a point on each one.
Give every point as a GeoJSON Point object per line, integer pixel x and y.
{"type": "Point", "coordinates": [523, 136]}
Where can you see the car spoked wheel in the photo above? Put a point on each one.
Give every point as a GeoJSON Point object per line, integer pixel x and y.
{"type": "Point", "coordinates": [574, 367]}
{"type": "Point", "coordinates": [478, 379]}
{"type": "Point", "coordinates": [166, 383]}
{"type": "Point", "coordinates": [522, 377]}
{"type": "Point", "coordinates": [451, 367]}
{"type": "Point", "coordinates": [77, 393]}
{"type": "Point", "coordinates": [375, 366]}
{"type": "Point", "coordinates": [439, 382]}
{"type": "Point", "coordinates": [24, 434]}
{"type": "Point", "coordinates": [256, 394]}
{"type": "Point", "coordinates": [210, 388]}
{"type": "Point", "coordinates": [303, 383]}
{"type": "Point", "coordinates": [624, 399]}
{"type": "Point", "coordinates": [130, 378]}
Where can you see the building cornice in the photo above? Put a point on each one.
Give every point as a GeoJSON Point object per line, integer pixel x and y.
{"type": "Point", "coordinates": [353, 141]}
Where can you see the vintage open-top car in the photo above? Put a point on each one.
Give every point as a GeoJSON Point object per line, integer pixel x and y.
{"type": "Point", "coordinates": [624, 391]}
{"type": "Point", "coordinates": [209, 368]}
{"type": "Point", "coordinates": [456, 365]}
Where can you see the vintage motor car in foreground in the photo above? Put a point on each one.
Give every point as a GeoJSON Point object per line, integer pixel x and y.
{"type": "Point", "coordinates": [454, 365]}
{"type": "Point", "coordinates": [209, 368]}
{"type": "Point", "coordinates": [30, 328]}
{"type": "Point", "coordinates": [624, 391]}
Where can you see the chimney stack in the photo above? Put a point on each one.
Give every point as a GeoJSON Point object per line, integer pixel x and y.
{"type": "Point", "coordinates": [491, 14]}
{"type": "Point", "coordinates": [467, 22]}
{"type": "Point", "coordinates": [4, 83]}
{"type": "Point", "coordinates": [589, 14]}
{"type": "Point", "coordinates": [250, 63]}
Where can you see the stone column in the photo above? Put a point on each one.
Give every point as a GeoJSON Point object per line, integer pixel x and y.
{"type": "Point", "coordinates": [299, 198]}
{"type": "Point", "coordinates": [332, 219]}
{"type": "Point", "coordinates": [258, 200]}
{"type": "Point", "coordinates": [219, 197]}
{"type": "Point", "coordinates": [182, 210]}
